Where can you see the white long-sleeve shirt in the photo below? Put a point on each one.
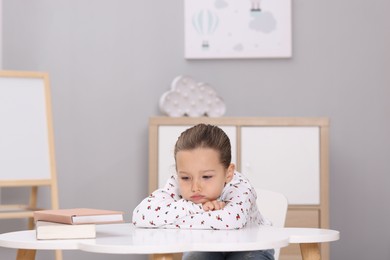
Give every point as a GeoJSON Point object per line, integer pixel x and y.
{"type": "Point", "coordinates": [165, 208]}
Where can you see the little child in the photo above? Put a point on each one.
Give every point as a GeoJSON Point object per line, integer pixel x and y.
{"type": "Point", "coordinates": [205, 193]}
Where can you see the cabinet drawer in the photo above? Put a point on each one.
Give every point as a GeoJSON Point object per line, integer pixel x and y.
{"type": "Point", "coordinates": [303, 218]}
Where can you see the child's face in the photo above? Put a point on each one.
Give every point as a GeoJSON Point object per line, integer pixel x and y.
{"type": "Point", "coordinates": [201, 175]}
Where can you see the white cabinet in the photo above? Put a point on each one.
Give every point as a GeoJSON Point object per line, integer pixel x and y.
{"type": "Point", "coordinates": [288, 155]}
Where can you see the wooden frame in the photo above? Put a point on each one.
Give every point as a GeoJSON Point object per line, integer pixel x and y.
{"type": "Point", "coordinates": [32, 108]}
{"type": "Point", "coordinates": [318, 213]}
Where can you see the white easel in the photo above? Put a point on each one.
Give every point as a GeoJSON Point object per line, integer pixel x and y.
{"type": "Point", "coordinates": [26, 140]}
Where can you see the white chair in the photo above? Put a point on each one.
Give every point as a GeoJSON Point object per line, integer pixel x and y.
{"type": "Point", "coordinates": [273, 206]}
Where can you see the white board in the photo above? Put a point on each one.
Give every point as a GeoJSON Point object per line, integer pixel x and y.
{"type": "Point", "coordinates": [24, 128]}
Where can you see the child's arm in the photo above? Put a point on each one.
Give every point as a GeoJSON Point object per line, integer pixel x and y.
{"type": "Point", "coordinates": [163, 207]}
{"type": "Point", "coordinates": [235, 215]}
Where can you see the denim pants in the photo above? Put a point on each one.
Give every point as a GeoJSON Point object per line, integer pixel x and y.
{"type": "Point", "coordinates": [241, 255]}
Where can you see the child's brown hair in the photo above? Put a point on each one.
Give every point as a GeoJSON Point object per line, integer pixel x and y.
{"type": "Point", "coordinates": [206, 136]}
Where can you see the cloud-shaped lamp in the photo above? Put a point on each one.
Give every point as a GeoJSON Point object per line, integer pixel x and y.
{"type": "Point", "coordinates": [190, 98]}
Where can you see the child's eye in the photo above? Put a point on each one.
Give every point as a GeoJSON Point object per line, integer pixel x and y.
{"type": "Point", "coordinates": [207, 177]}
{"type": "Point", "coordinates": [185, 178]}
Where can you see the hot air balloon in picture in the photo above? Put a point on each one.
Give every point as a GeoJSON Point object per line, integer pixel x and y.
{"type": "Point", "coordinates": [255, 5]}
{"type": "Point", "coordinates": [205, 22]}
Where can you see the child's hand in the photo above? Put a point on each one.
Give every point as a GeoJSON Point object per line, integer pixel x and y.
{"type": "Point", "coordinates": [213, 205]}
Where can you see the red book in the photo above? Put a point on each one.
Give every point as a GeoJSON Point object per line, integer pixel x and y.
{"type": "Point", "coordinates": [79, 216]}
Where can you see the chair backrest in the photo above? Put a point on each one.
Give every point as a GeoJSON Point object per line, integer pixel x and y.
{"type": "Point", "coordinates": [273, 206]}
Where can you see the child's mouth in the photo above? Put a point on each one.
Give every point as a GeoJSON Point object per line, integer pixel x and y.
{"type": "Point", "coordinates": [197, 198]}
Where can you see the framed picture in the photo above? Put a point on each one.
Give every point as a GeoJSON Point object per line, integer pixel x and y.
{"type": "Point", "coordinates": [237, 29]}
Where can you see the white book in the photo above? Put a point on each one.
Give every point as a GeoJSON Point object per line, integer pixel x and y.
{"type": "Point", "coordinates": [52, 230]}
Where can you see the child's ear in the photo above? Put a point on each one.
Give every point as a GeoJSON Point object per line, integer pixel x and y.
{"type": "Point", "coordinates": [230, 172]}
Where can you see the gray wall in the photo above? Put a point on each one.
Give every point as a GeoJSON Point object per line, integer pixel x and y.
{"type": "Point", "coordinates": [110, 61]}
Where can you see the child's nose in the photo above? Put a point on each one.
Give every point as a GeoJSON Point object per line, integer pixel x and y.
{"type": "Point", "coordinates": [195, 186]}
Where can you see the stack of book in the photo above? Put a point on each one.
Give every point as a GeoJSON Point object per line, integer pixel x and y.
{"type": "Point", "coordinates": [72, 223]}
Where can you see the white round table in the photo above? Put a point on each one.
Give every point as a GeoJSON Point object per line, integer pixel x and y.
{"type": "Point", "coordinates": [130, 240]}
{"type": "Point", "coordinates": [126, 239]}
